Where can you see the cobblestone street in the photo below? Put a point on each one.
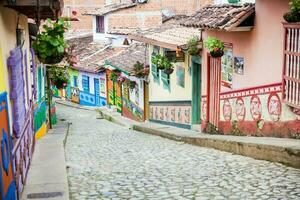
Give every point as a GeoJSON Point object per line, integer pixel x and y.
{"type": "Point", "coordinates": [107, 161]}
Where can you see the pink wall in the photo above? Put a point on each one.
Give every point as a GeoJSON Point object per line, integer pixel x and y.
{"type": "Point", "coordinates": [262, 48]}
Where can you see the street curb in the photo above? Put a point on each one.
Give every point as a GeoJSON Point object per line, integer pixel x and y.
{"type": "Point", "coordinates": [287, 156]}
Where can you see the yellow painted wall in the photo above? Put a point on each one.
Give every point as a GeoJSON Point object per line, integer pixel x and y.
{"type": "Point", "coordinates": [176, 92]}
{"type": "Point", "coordinates": [41, 132]}
{"type": "Point", "coordinates": [2, 79]}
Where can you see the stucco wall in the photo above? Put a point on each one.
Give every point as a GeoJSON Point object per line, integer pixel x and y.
{"type": "Point", "coordinates": [8, 24]}
{"type": "Point", "coordinates": [176, 92]}
{"type": "Point", "coordinates": [261, 48]}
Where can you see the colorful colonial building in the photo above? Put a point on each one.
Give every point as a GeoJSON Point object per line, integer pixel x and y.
{"type": "Point", "coordinates": [129, 92]}
{"type": "Point", "coordinates": [22, 116]}
{"type": "Point", "coordinates": [173, 98]}
{"type": "Point", "coordinates": [254, 88]}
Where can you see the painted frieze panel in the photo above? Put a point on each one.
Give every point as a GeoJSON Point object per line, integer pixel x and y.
{"type": "Point", "coordinates": [257, 111]}
{"type": "Point", "coordinates": [171, 113]}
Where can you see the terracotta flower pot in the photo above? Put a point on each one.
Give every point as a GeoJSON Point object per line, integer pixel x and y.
{"type": "Point", "coordinates": [217, 54]}
{"type": "Point", "coordinates": [169, 70]}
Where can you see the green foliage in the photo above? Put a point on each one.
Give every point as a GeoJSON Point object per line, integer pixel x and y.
{"type": "Point", "coordinates": [113, 76]}
{"type": "Point", "coordinates": [213, 44]}
{"type": "Point", "coordinates": [294, 14]}
{"type": "Point", "coordinates": [193, 48]}
{"type": "Point", "coordinates": [58, 76]}
{"type": "Point", "coordinates": [295, 6]}
{"type": "Point", "coordinates": [50, 43]}
{"type": "Point", "coordinates": [161, 62]}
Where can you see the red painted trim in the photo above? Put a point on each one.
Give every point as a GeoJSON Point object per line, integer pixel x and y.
{"type": "Point", "coordinates": [252, 88]}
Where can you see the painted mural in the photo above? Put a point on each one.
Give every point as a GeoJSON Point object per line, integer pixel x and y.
{"type": "Point", "coordinates": [114, 93]}
{"type": "Point", "coordinates": [257, 112]}
{"type": "Point", "coordinates": [40, 108]}
{"type": "Point", "coordinates": [172, 113]}
{"type": "Point", "coordinates": [133, 101]}
{"type": "Point", "coordinates": [90, 89]}
{"type": "Point", "coordinates": [7, 181]}
{"type": "Point", "coordinates": [22, 111]}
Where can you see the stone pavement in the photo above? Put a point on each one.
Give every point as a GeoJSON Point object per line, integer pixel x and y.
{"type": "Point", "coordinates": [283, 150]}
{"type": "Point", "coordinates": [108, 161]}
{"type": "Point", "coordinates": [47, 176]}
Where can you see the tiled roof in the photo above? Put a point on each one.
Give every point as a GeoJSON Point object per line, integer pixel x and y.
{"type": "Point", "coordinates": [220, 17]}
{"type": "Point", "coordinates": [125, 59]}
{"type": "Point", "coordinates": [94, 56]}
{"type": "Point", "coordinates": [168, 36]}
{"type": "Point", "coordinates": [109, 8]}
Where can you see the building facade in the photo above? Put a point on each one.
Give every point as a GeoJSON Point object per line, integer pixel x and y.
{"type": "Point", "coordinates": [247, 91]}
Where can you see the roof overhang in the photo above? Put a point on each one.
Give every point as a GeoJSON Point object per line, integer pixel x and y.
{"type": "Point", "coordinates": [48, 8]}
{"type": "Point", "coordinates": [154, 42]}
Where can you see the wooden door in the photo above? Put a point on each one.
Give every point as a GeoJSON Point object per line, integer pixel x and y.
{"type": "Point", "coordinates": [196, 91]}
{"type": "Point", "coordinates": [7, 183]}
{"type": "Point", "coordinates": [213, 91]}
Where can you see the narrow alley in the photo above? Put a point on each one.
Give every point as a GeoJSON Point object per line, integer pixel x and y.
{"type": "Point", "coordinates": [106, 161]}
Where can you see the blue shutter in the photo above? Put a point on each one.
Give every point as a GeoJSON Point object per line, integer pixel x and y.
{"type": "Point", "coordinates": [86, 83]}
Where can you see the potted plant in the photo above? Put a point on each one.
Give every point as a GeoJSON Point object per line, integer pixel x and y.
{"type": "Point", "coordinates": [157, 60]}
{"type": "Point", "coordinates": [193, 46]}
{"type": "Point", "coordinates": [138, 69]}
{"type": "Point", "coordinates": [168, 66]}
{"type": "Point", "coordinates": [215, 47]}
{"type": "Point", "coordinates": [59, 77]}
{"type": "Point", "coordinates": [113, 76]}
{"type": "Point", "coordinates": [132, 85]}
{"type": "Point", "coordinates": [294, 14]}
{"type": "Point", "coordinates": [50, 44]}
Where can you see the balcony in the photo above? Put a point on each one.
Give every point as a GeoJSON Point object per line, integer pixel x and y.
{"type": "Point", "coordinates": [291, 65]}
{"type": "Point", "coordinates": [47, 8]}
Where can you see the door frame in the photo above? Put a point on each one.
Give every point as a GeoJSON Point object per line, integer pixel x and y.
{"type": "Point", "coordinates": [213, 118]}
{"type": "Point", "coordinates": [196, 90]}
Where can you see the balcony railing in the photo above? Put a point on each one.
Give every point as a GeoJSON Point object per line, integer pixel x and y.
{"type": "Point", "coordinates": [291, 65]}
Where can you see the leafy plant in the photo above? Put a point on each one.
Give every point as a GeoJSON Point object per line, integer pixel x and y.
{"type": "Point", "coordinates": [59, 77]}
{"type": "Point", "coordinates": [213, 44]}
{"type": "Point", "coordinates": [113, 76]}
{"type": "Point", "coordinates": [294, 14]}
{"type": "Point", "coordinates": [193, 48]}
{"type": "Point", "coordinates": [50, 44]}
{"type": "Point", "coordinates": [162, 62]}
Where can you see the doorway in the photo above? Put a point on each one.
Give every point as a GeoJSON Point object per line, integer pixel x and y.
{"type": "Point", "coordinates": [196, 92]}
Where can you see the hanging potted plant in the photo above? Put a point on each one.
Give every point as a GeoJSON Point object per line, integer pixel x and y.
{"type": "Point", "coordinates": [138, 69]}
{"type": "Point", "coordinates": [168, 66]}
{"type": "Point", "coordinates": [50, 44]}
{"type": "Point", "coordinates": [193, 46]}
{"type": "Point", "coordinates": [113, 76]}
{"type": "Point", "coordinates": [294, 15]}
{"type": "Point", "coordinates": [59, 77]}
{"type": "Point", "coordinates": [132, 85]}
{"type": "Point", "coordinates": [157, 60]}
{"type": "Point", "coordinates": [215, 47]}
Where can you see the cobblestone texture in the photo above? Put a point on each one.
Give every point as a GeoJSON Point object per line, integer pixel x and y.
{"type": "Point", "coordinates": [108, 162]}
